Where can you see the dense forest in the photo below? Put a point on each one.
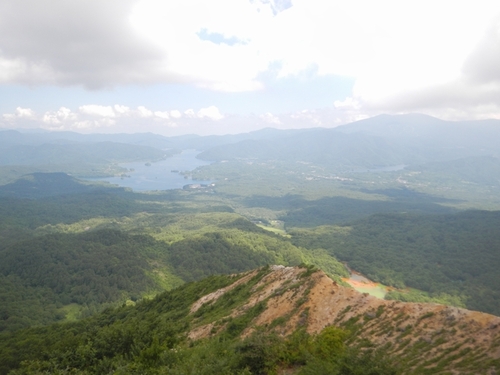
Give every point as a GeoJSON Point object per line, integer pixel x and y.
{"type": "Point", "coordinates": [90, 269]}
{"type": "Point", "coordinates": [73, 254]}
{"type": "Point", "coordinates": [454, 257]}
{"type": "Point", "coordinates": [69, 256]}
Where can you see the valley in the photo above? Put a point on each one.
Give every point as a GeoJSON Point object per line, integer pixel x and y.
{"type": "Point", "coordinates": [85, 262]}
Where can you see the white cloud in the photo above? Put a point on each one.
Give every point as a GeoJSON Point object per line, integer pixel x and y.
{"type": "Point", "coordinates": [144, 112]}
{"type": "Point", "coordinates": [175, 28]}
{"type": "Point", "coordinates": [25, 112]}
{"type": "Point", "coordinates": [20, 113]}
{"type": "Point", "coordinates": [270, 118]}
{"type": "Point", "coordinates": [175, 113]}
{"type": "Point", "coordinates": [118, 118]}
{"type": "Point", "coordinates": [190, 113]}
{"type": "Point", "coordinates": [309, 117]}
{"type": "Point", "coordinates": [211, 112]}
{"type": "Point", "coordinates": [443, 62]}
{"type": "Point", "coordinates": [404, 56]}
{"type": "Point", "coordinates": [349, 102]}
{"type": "Point", "coordinates": [97, 110]}
{"type": "Point", "coordinates": [482, 66]}
{"type": "Point", "coordinates": [121, 109]}
{"type": "Point", "coordinates": [163, 115]}
{"type": "Point", "coordinates": [62, 115]}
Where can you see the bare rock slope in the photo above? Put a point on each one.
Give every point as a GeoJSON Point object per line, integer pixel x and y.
{"type": "Point", "coordinates": [425, 338]}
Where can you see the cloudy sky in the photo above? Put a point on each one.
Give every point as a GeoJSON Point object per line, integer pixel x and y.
{"type": "Point", "coordinates": [227, 66]}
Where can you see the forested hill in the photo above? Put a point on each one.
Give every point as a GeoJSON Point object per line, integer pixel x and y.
{"type": "Point", "coordinates": [276, 319]}
{"type": "Point", "coordinates": [454, 256]}
{"type": "Point", "coordinates": [45, 278]}
{"type": "Point", "coordinates": [37, 185]}
{"type": "Point", "coordinates": [83, 247]}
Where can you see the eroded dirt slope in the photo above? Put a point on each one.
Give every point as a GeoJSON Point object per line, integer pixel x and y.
{"type": "Point", "coordinates": [424, 337]}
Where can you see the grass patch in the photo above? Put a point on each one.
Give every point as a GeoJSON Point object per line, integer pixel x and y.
{"type": "Point", "coordinates": [274, 230]}
{"type": "Point", "coordinates": [71, 312]}
{"type": "Point", "coordinates": [229, 301]}
{"type": "Point", "coordinates": [377, 290]}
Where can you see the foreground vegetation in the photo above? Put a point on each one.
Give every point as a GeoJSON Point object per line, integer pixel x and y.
{"type": "Point", "coordinates": [150, 338]}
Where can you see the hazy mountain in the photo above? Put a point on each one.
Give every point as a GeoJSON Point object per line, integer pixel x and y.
{"type": "Point", "coordinates": [433, 138]}
{"type": "Point", "coordinates": [90, 153]}
{"type": "Point", "coordinates": [13, 137]}
{"type": "Point", "coordinates": [379, 141]}
{"type": "Point", "coordinates": [189, 141]}
{"type": "Point", "coordinates": [325, 147]}
{"type": "Point", "coordinates": [38, 185]}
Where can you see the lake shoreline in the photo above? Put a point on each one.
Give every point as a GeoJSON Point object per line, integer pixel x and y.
{"type": "Point", "coordinates": [167, 174]}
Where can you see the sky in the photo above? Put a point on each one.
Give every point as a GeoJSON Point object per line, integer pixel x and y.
{"type": "Point", "coordinates": [177, 67]}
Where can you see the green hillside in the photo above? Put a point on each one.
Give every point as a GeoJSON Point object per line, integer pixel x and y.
{"type": "Point", "coordinates": [151, 338]}
{"type": "Point", "coordinates": [271, 320]}
{"type": "Point", "coordinates": [83, 248]}
{"type": "Point", "coordinates": [453, 257]}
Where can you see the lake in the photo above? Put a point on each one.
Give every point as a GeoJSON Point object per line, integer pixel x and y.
{"type": "Point", "coordinates": [159, 175]}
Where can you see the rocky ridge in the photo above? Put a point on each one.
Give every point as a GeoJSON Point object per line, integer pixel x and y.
{"type": "Point", "coordinates": [423, 337]}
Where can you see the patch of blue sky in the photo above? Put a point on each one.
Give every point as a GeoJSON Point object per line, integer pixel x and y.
{"type": "Point", "coordinates": [218, 38]}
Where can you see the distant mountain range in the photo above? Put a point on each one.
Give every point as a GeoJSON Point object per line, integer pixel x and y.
{"type": "Point", "coordinates": [376, 142]}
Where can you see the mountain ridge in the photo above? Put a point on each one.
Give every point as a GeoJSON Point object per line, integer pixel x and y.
{"type": "Point", "coordinates": [275, 319]}
{"type": "Point", "coordinates": [424, 336]}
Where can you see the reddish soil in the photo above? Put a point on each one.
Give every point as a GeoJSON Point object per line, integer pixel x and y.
{"type": "Point", "coordinates": [429, 332]}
